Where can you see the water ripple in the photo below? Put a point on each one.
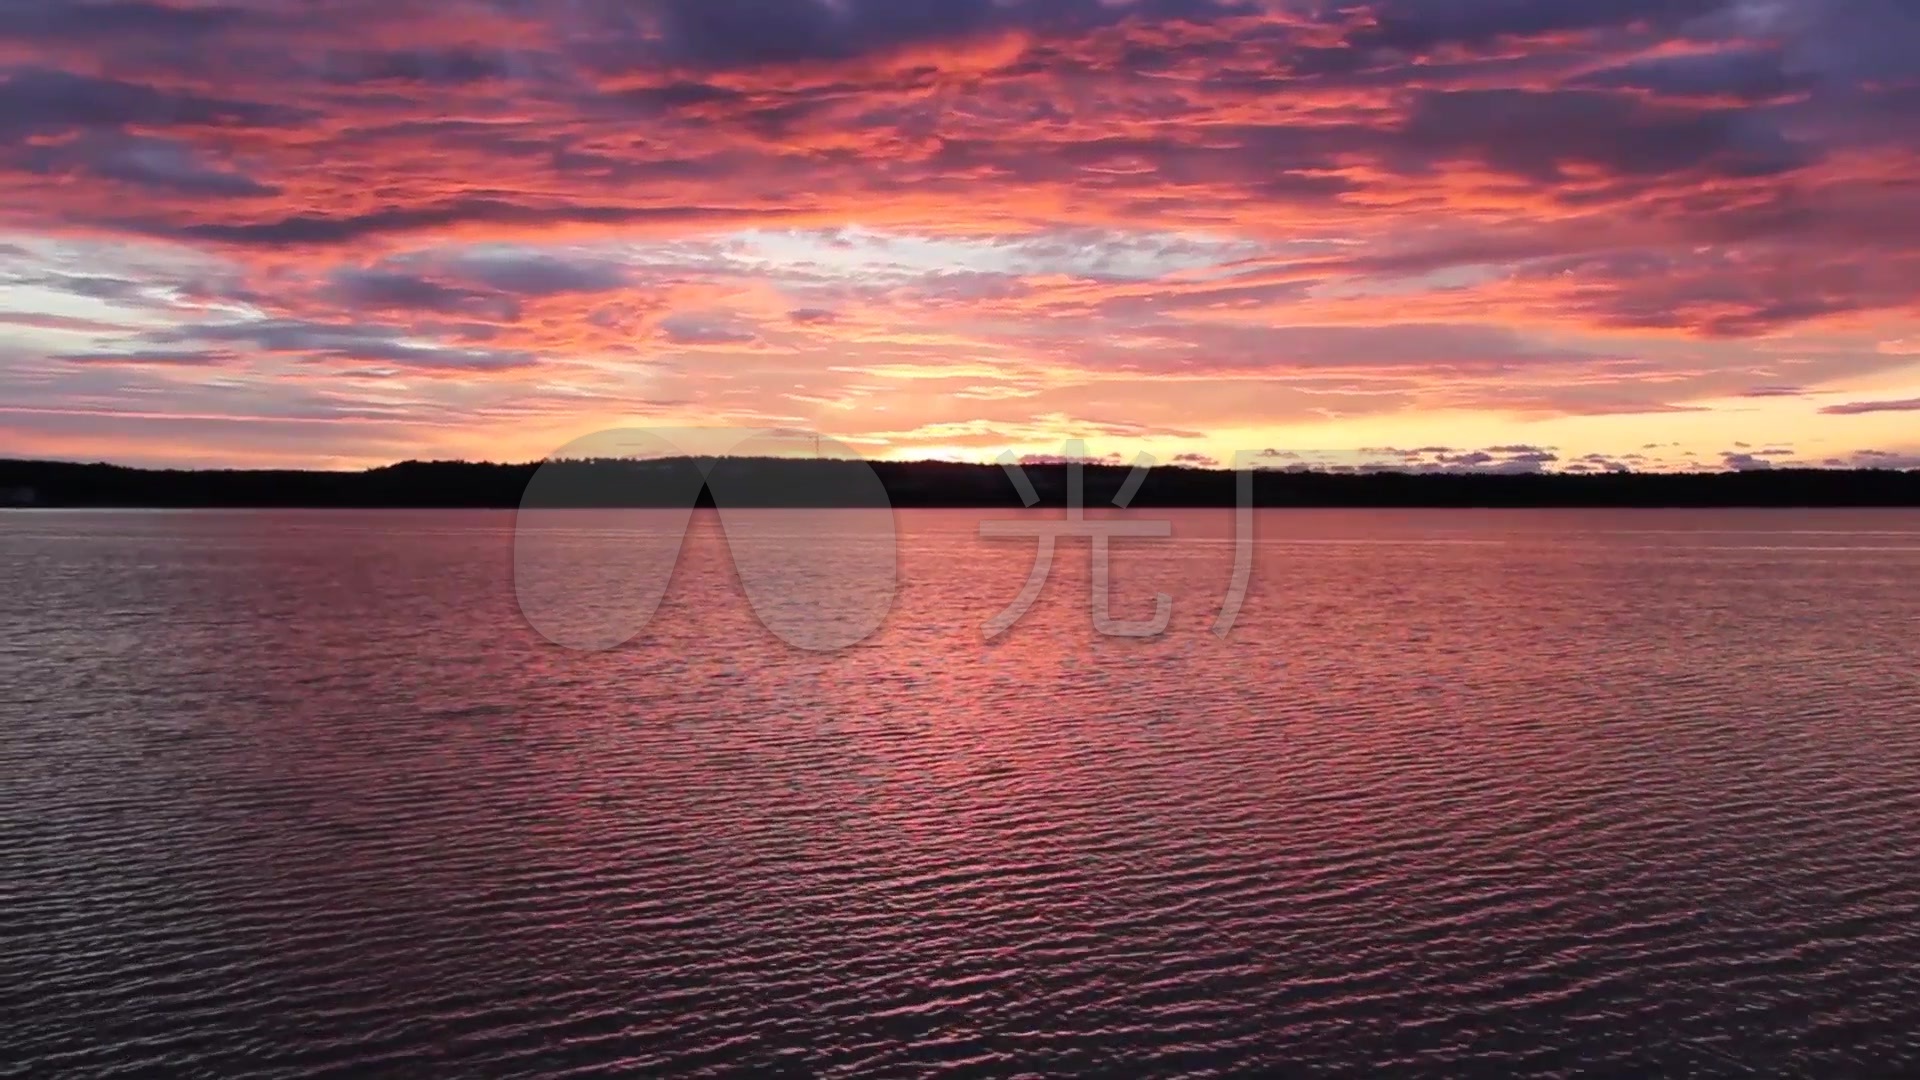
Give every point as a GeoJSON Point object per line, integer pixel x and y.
{"type": "Point", "coordinates": [300, 795]}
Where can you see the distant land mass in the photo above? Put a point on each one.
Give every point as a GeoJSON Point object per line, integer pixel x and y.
{"type": "Point", "coordinates": [826, 483]}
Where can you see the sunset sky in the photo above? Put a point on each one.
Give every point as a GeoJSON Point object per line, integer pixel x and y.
{"type": "Point", "coordinates": [1506, 234]}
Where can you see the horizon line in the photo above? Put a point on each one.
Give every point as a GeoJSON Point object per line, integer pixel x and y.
{"type": "Point", "coordinates": [1030, 461]}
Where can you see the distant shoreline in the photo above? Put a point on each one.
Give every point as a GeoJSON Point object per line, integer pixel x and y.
{"type": "Point", "coordinates": [791, 482]}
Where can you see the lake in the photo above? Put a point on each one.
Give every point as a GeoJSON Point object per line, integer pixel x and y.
{"type": "Point", "coordinates": [1533, 793]}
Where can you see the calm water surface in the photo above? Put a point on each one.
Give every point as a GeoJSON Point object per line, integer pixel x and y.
{"type": "Point", "coordinates": [1565, 793]}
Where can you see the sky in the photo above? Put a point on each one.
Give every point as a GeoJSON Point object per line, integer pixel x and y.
{"type": "Point", "coordinates": [1460, 234]}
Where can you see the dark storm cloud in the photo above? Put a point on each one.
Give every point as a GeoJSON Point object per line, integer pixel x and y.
{"type": "Point", "coordinates": [153, 358]}
{"type": "Point", "coordinates": [66, 20]}
{"type": "Point", "coordinates": [722, 34]}
{"type": "Point", "coordinates": [1492, 460]}
{"type": "Point", "coordinates": [1751, 75]}
{"type": "Point", "coordinates": [155, 164]}
{"type": "Point", "coordinates": [1862, 408]}
{"type": "Point", "coordinates": [1841, 42]}
{"type": "Point", "coordinates": [450, 66]}
{"type": "Point", "coordinates": [1604, 463]}
{"type": "Point", "coordinates": [530, 274]}
{"type": "Point", "coordinates": [1884, 459]}
{"type": "Point", "coordinates": [346, 342]}
{"type": "Point", "coordinates": [382, 290]}
{"type": "Point", "coordinates": [321, 230]}
{"type": "Point", "coordinates": [91, 286]}
{"type": "Point", "coordinates": [42, 101]}
{"type": "Point", "coordinates": [727, 33]}
{"type": "Point", "coordinates": [482, 285]}
{"type": "Point", "coordinates": [1418, 26]}
{"type": "Point", "coordinates": [1537, 134]}
{"type": "Point", "coordinates": [1535, 459]}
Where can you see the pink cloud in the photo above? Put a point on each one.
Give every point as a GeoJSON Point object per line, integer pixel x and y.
{"type": "Point", "coordinates": [1182, 215]}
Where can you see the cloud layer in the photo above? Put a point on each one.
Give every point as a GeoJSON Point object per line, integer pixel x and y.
{"type": "Point", "coordinates": [350, 230]}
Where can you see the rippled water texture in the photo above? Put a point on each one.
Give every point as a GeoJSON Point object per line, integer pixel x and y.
{"type": "Point", "coordinates": [1552, 794]}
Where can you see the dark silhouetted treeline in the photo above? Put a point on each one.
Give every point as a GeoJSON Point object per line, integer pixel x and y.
{"type": "Point", "coordinates": [791, 482]}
